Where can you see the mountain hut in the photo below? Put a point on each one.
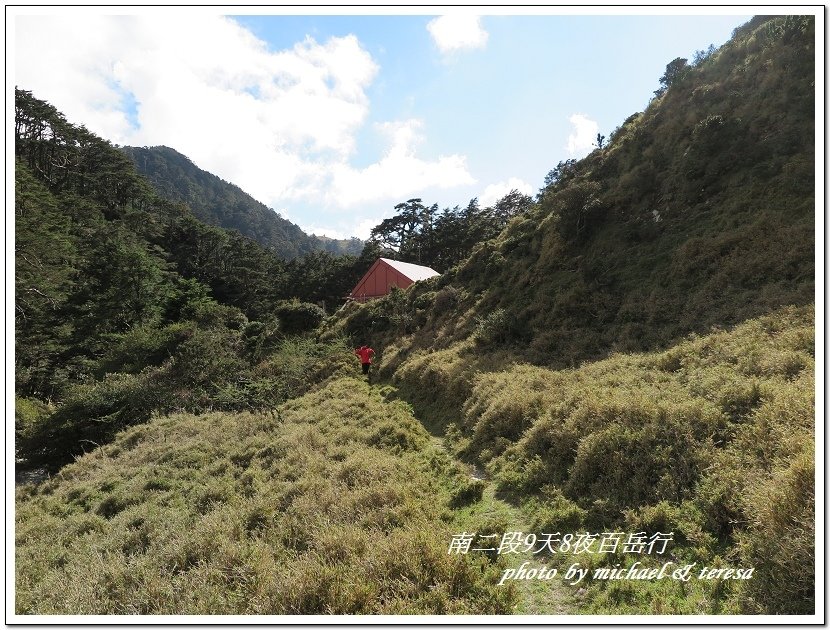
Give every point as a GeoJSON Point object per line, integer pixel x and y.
{"type": "Point", "coordinates": [385, 274]}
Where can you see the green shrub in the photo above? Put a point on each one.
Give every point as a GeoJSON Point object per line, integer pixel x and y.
{"type": "Point", "coordinates": [552, 512]}
{"type": "Point", "coordinates": [142, 347]}
{"type": "Point", "coordinates": [260, 339]}
{"type": "Point", "coordinates": [684, 520]}
{"type": "Point", "coordinates": [208, 357]}
{"type": "Point", "coordinates": [29, 413]}
{"type": "Point", "coordinates": [299, 317]}
{"type": "Point", "coordinates": [493, 328]}
{"type": "Point", "coordinates": [445, 299]}
{"type": "Point", "coordinates": [245, 393]}
{"type": "Point", "coordinates": [92, 414]}
{"type": "Point", "coordinates": [469, 491]}
{"type": "Point", "coordinates": [779, 541]}
{"type": "Point", "coordinates": [629, 467]}
{"type": "Point", "coordinates": [396, 437]}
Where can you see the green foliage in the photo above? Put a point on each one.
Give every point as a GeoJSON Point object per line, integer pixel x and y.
{"type": "Point", "coordinates": [711, 439]}
{"type": "Point", "coordinates": [208, 356]}
{"type": "Point", "coordinates": [559, 176]}
{"type": "Point", "coordinates": [493, 328]}
{"type": "Point", "coordinates": [578, 207]}
{"type": "Point", "coordinates": [421, 235]}
{"type": "Point", "coordinates": [216, 361]}
{"type": "Point", "coordinates": [470, 491]}
{"type": "Point", "coordinates": [392, 315]}
{"type": "Point", "coordinates": [699, 212]}
{"type": "Point", "coordinates": [113, 281]}
{"type": "Point", "coordinates": [780, 538]}
{"type": "Point", "coordinates": [90, 416]}
{"type": "Point", "coordinates": [73, 161]}
{"type": "Point", "coordinates": [29, 414]}
{"type": "Point", "coordinates": [676, 71]}
{"type": "Point", "coordinates": [45, 256]}
{"type": "Point", "coordinates": [238, 271]}
{"type": "Point", "coordinates": [219, 203]}
{"type": "Point", "coordinates": [551, 511]}
{"type": "Point", "coordinates": [130, 289]}
{"type": "Point", "coordinates": [299, 317]}
{"type": "Point", "coordinates": [321, 277]}
{"type": "Point", "coordinates": [142, 347]}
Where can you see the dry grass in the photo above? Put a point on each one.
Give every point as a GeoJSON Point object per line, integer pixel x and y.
{"type": "Point", "coordinates": [334, 504]}
{"type": "Point", "coordinates": [712, 438]}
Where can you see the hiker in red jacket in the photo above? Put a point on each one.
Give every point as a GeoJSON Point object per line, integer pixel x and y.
{"type": "Point", "coordinates": [365, 353]}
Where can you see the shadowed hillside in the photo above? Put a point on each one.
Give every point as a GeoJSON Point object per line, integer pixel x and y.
{"type": "Point", "coordinates": [220, 203]}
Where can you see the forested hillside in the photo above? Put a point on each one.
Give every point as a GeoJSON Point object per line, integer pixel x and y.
{"type": "Point", "coordinates": [632, 351]}
{"type": "Point", "coordinates": [220, 203]}
{"type": "Point", "coordinates": [126, 304]}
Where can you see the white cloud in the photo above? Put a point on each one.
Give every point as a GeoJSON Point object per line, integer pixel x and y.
{"type": "Point", "coordinates": [584, 134]}
{"type": "Point", "coordinates": [399, 172]}
{"type": "Point", "coordinates": [494, 192]}
{"type": "Point", "coordinates": [282, 124]}
{"type": "Point", "coordinates": [457, 32]}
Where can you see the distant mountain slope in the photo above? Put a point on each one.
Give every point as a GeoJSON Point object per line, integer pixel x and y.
{"type": "Point", "coordinates": [220, 203]}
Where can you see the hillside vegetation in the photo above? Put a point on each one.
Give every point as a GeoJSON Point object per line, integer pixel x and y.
{"type": "Point", "coordinates": [334, 503]}
{"type": "Point", "coordinates": [697, 212]}
{"type": "Point", "coordinates": [632, 351]}
{"type": "Point", "coordinates": [220, 203]}
{"type": "Point", "coordinates": [697, 215]}
{"type": "Point", "coordinates": [126, 304]}
{"type": "Point", "coordinates": [712, 439]}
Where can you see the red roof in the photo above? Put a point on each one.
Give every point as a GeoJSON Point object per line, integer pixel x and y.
{"type": "Point", "coordinates": [385, 274]}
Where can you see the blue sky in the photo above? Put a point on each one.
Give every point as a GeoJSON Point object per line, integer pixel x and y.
{"type": "Point", "coordinates": [333, 119]}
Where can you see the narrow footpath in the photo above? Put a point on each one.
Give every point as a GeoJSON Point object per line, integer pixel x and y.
{"type": "Point", "coordinates": [499, 517]}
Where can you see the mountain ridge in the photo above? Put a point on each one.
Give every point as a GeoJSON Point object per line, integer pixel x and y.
{"type": "Point", "coordinates": [224, 204]}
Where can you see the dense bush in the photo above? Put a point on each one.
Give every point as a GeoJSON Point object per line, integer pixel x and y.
{"type": "Point", "coordinates": [142, 347]}
{"type": "Point", "coordinates": [299, 317]}
{"type": "Point", "coordinates": [210, 368]}
{"type": "Point", "coordinates": [494, 328]}
{"type": "Point", "coordinates": [92, 415]}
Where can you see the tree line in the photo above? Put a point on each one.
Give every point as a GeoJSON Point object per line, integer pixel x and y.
{"type": "Point", "coordinates": [423, 235]}
{"type": "Point", "coordinates": [99, 254]}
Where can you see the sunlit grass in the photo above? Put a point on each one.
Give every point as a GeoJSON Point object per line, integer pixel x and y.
{"type": "Point", "coordinates": [334, 503]}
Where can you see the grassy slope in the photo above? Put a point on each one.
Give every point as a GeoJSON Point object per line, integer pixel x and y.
{"type": "Point", "coordinates": [340, 502]}
{"type": "Point", "coordinates": [335, 503]}
{"type": "Point", "coordinates": [712, 439]}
